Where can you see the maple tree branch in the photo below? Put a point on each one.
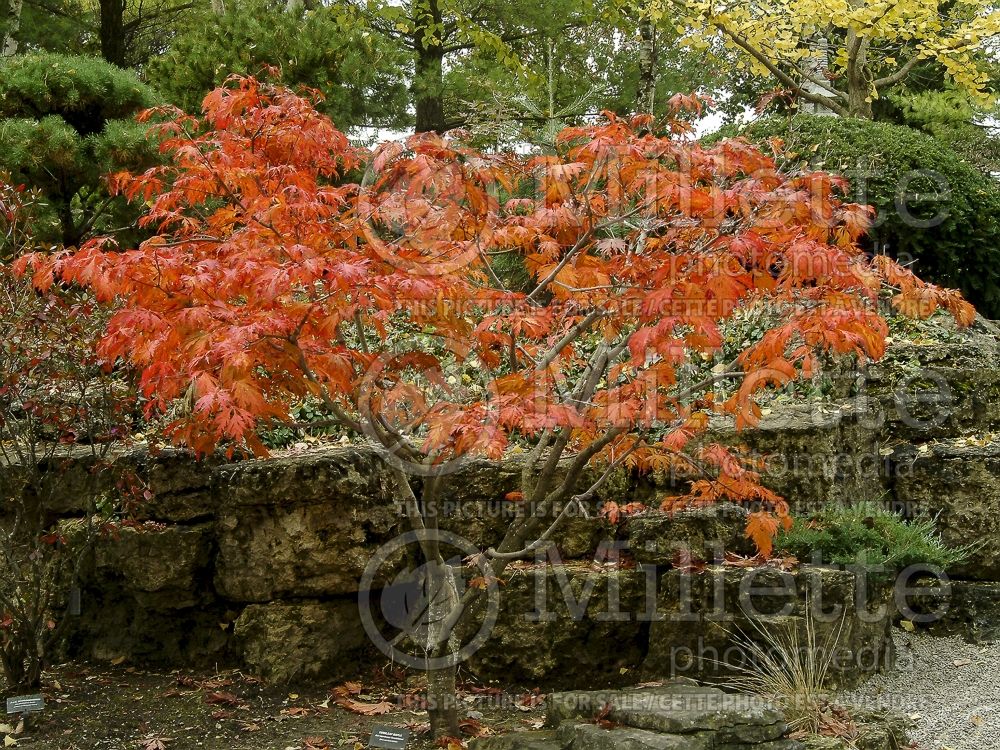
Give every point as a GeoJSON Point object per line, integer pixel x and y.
{"type": "Point", "coordinates": [574, 333]}
{"type": "Point", "coordinates": [577, 501]}
{"type": "Point", "coordinates": [584, 390]}
{"type": "Point", "coordinates": [541, 539]}
{"type": "Point", "coordinates": [710, 380]}
{"type": "Point", "coordinates": [362, 338]}
{"type": "Point", "coordinates": [416, 518]}
{"type": "Point", "coordinates": [500, 559]}
{"type": "Point", "coordinates": [346, 419]}
{"type": "Point", "coordinates": [384, 432]}
{"type": "Point", "coordinates": [583, 457]}
{"type": "Point", "coordinates": [528, 469]}
{"type": "Point", "coordinates": [581, 460]}
{"type": "Point", "coordinates": [584, 238]}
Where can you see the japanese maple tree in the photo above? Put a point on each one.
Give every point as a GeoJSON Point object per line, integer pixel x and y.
{"type": "Point", "coordinates": [277, 273]}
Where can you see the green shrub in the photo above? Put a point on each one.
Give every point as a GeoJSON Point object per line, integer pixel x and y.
{"type": "Point", "coordinates": [65, 123]}
{"type": "Point", "coordinates": [893, 166]}
{"type": "Point", "coordinates": [360, 75]}
{"type": "Point", "coordinates": [950, 117]}
{"type": "Point", "coordinates": [868, 533]}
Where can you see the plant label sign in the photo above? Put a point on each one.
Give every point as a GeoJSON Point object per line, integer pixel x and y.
{"type": "Point", "coordinates": [389, 738]}
{"type": "Point", "coordinates": [24, 704]}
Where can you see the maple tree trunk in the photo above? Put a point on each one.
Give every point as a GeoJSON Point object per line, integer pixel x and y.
{"type": "Point", "coordinates": [442, 697]}
{"type": "Point", "coordinates": [442, 609]}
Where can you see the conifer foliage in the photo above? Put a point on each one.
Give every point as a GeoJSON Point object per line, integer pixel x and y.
{"type": "Point", "coordinates": [65, 122]}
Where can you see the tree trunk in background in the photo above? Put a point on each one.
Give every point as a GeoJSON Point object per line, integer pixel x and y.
{"type": "Point", "coordinates": [219, 7]}
{"type": "Point", "coordinates": [858, 86]}
{"type": "Point", "coordinates": [112, 31]}
{"type": "Point", "coordinates": [428, 83]}
{"type": "Point", "coordinates": [646, 95]}
{"type": "Point", "coordinates": [13, 24]}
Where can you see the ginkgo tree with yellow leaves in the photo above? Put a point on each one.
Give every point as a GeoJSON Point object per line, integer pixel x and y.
{"type": "Point", "coordinates": [843, 54]}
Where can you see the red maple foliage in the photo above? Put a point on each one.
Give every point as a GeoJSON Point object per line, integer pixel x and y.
{"type": "Point", "coordinates": [277, 271]}
{"type": "Point", "coordinates": [273, 275]}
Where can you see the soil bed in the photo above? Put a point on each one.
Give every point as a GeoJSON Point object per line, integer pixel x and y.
{"type": "Point", "coordinates": [123, 708]}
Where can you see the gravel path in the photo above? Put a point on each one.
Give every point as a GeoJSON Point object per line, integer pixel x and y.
{"type": "Point", "coordinates": [950, 687]}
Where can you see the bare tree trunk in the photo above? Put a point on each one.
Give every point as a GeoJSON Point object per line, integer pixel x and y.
{"type": "Point", "coordinates": [13, 25]}
{"type": "Point", "coordinates": [858, 86]}
{"type": "Point", "coordinates": [442, 697]}
{"type": "Point", "coordinates": [646, 94]}
{"type": "Point", "coordinates": [219, 7]}
{"type": "Point", "coordinates": [428, 83]}
{"type": "Point", "coordinates": [112, 31]}
{"type": "Point", "coordinates": [439, 644]}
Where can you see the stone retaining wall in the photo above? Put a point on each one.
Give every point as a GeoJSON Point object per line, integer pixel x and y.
{"type": "Point", "coordinates": [258, 562]}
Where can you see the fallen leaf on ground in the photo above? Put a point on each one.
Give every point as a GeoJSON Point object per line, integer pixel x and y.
{"type": "Point", "coordinates": [474, 728]}
{"type": "Point", "coordinates": [220, 698]}
{"type": "Point", "coordinates": [342, 697]}
{"type": "Point", "coordinates": [535, 698]}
